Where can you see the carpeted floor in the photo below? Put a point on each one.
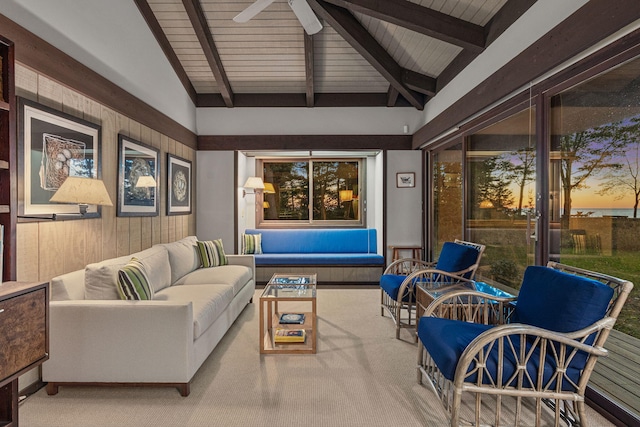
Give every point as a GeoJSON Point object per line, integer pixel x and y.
{"type": "Point", "coordinates": [361, 376]}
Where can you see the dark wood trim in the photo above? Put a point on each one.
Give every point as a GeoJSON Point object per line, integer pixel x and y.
{"type": "Point", "coordinates": [346, 25]}
{"type": "Point", "coordinates": [419, 82]}
{"type": "Point", "coordinates": [392, 96]}
{"type": "Point", "coordinates": [300, 100]}
{"type": "Point", "coordinates": [304, 142]}
{"type": "Point", "coordinates": [36, 53]}
{"type": "Point", "coordinates": [166, 47]}
{"type": "Point", "coordinates": [308, 68]}
{"type": "Point", "coordinates": [201, 27]}
{"type": "Point", "coordinates": [586, 27]}
{"type": "Point", "coordinates": [183, 388]}
{"type": "Point", "coordinates": [612, 412]}
{"type": "Point", "coordinates": [420, 19]}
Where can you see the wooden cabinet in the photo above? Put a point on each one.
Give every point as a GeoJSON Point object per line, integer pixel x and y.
{"type": "Point", "coordinates": [8, 157]}
{"type": "Point", "coordinates": [24, 339]}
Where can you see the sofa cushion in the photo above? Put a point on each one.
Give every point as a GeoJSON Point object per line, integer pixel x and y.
{"type": "Point", "coordinates": [251, 244]}
{"type": "Point", "coordinates": [183, 257]}
{"type": "Point", "coordinates": [208, 301]}
{"type": "Point", "coordinates": [320, 259]}
{"type": "Point", "coordinates": [211, 253]}
{"type": "Point", "coordinates": [133, 283]}
{"type": "Point", "coordinates": [326, 240]}
{"type": "Point", "coordinates": [69, 286]}
{"type": "Point", "coordinates": [101, 277]}
{"type": "Point", "coordinates": [233, 275]}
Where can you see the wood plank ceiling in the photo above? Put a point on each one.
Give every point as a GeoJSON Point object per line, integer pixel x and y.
{"type": "Point", "coordinates": [369, 53]}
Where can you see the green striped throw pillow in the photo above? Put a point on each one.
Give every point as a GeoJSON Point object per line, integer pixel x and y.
{"type": "Point", "coordinates": [211, 253]}
{"type": "Point", "coordinates": [251, 244]}
{"type": "Point", "coordinates": [133, 282]}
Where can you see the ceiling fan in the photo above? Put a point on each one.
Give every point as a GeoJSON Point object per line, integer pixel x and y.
{"type": "Point", "coordinates": [301, 8]}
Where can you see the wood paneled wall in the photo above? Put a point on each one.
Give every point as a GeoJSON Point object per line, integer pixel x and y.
{"type": "Point", "coordinates": [50, 248]}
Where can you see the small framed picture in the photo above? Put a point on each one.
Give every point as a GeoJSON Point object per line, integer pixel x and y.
{"type": "Point", "coordinates": [138, 182]}
{"type": "Point", "coordinates": [405, 179]}
{"type": "Point", "coordinates": [178, 186]}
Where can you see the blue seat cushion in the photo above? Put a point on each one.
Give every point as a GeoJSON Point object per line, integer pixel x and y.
{"type": "Point", "coordinates": [391, 283]}
{"type": "Point", "coordinates": [446, 340]}
{"type": "Point", "coordinates": [320, 259]}
{"type": "Point", "coordinates": [455, 257]}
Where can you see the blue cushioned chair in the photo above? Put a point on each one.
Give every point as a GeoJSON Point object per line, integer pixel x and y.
{"type": "Point", "coordinates": [541, 347]}
{"type": "Point", "coordinates": [458, 261]}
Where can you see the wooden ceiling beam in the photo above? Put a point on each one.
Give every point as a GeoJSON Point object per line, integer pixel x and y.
{"type": "Point", "coordinates": [392, 97]}
{"type": "Point", "coordinates": [421, 20]}
{"type": "Point", "coordinates": [165, 45]}
{"type": "Point", "coordinates": [308, 68]}
{"type": "Point", "coordinates": [363, 99]}
{"type": "Point", "coordinates": [304, 142]}
{"type": "Point", "coordinates": [344, 23]}
{"type": "Point", "coordinates": [503, 19]}
{"type": "Point", "coordinates": [201, 27]}
{"type": "Point", "coordinates": [419, 82]}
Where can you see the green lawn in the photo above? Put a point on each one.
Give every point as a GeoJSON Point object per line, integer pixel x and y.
{"type": "Point", "coordinates": [625, 265]}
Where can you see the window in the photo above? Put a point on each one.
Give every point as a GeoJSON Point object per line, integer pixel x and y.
{"type": "Point", "coordinates": [312, 192]}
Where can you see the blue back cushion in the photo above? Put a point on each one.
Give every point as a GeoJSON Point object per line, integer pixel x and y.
{"type": "Point", "coordinates": [455, 257]}
{"type": "Point", "coordinates": [559, 301]}
{"type": "Point", "coordinates": [347, 240]}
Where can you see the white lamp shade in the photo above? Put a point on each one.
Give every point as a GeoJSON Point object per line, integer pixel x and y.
{"type": "Point", "coordinates": [254, 182]}
{"type": "Point", "coordinates": [82, 191]}
{"type": "Point", "coordinates": [145, 181]}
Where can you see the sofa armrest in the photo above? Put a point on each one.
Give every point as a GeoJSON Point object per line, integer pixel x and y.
{"type": "Point", "coordinates": [120, 341]}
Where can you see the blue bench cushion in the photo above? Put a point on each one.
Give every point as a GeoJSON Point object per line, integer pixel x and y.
{"type": "Point", "coordinates": [318, 247]}
{"type": "Point", "coordinates": [319, 259]}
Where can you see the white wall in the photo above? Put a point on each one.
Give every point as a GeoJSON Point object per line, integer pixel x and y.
{"type": "Point", "coordinates": [112, 38]}
{"type": "Point", "coordinates": [404, 205]}
{"type": "Point", "coordinates": [308, 121]}
{"type": "Point", "coordinates": [215, 196]}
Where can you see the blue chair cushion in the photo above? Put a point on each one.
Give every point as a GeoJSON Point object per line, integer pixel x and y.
{"type": "Point", "coordinates": [446, 340]}
{"type": "Point", "coordinates": [455, 257]}
{"type": "Point", "coordinates": [391, 283]}
{"type": "Point", "coordinates": [560, 301]}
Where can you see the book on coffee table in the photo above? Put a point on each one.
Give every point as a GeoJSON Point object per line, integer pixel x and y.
{"type": "Point", "coordinates": [289, 335]}
{"type": "Point", "coordinates": [292, 318]}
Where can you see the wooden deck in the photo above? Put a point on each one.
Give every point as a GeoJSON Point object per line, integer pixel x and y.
{"type": "Point", "coordinates": [618, 375]}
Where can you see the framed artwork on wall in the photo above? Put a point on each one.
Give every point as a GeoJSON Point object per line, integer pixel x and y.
{"type": "Point", "coordinates": [405, 179]}
{"type": "Point", "coordinates": [138, 178]}
{"type": "Point", "coordinates": [52, 146]}
{"type": "Point", "coordinates": [178, 186]}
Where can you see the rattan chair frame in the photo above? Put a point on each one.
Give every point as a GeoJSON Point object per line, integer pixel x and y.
{"type": "Point", "coordinates": [473, 306]}
{"type": "Point", "coordinates": [418, 270]}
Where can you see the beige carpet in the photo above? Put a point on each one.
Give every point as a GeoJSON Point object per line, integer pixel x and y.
{"type": "Point", "coordinates": [361, 376]}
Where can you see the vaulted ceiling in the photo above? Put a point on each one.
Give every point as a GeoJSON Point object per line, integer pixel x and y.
{"type": "Point", "coordinates": [369, 52]}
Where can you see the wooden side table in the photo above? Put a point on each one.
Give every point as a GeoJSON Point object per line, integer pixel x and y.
{"type": "Point", "coordinates": [416, 251]}
{"type": "Point", "coordinates": [24, 331]}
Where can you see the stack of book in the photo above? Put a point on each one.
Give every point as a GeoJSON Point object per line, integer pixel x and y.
{"type": "Point", "coordinates": [289, 335]}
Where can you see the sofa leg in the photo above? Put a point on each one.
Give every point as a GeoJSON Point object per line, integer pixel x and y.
{"type": "Point", "coordinates": [251, 300]}
{"type": "Point", "coordinates": [52, 389]}
{"type": "Point", "coordinates": [184, 389]}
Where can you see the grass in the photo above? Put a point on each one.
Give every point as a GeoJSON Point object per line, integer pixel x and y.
{"type": "Point", "coordinates": [623, 264]}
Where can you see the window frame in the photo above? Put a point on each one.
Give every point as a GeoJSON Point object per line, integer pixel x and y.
{"type": "Point", "coordinates": [261, 222]}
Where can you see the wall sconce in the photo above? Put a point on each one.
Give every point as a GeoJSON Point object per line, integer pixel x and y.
{"type": "Point", "coordinates": [83, 191]}
{"type": "Point", "coordinates": [265, 205]}
{"type": "Point", "coordinates": [253, 183]}
{"type": "Point", "coordinates": [145, 181]}
{"type": "Point", "coordinates": [486, 204]}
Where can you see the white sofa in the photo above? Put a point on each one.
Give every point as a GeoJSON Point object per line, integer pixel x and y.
{"type": "Point", "coordinates": [98, 339]}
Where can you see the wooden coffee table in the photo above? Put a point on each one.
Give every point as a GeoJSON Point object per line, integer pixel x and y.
{"type": "Point", "coordinates": [287, 293]}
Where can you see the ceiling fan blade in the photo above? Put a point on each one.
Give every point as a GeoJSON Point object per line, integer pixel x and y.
{"type": "Point", "coordinates": [252, 10]}
{"type": "Point", "coordinates": [307, 18]}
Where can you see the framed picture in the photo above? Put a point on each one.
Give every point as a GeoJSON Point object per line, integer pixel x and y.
{"type": "Point", "coordinates": [52, 146]}
{"type": "Point", "coordinates": [405, 179]}
{"type": "Point", "coordinates": [178, 186]}
{"type": "Point", "coordinates": [138, 178]}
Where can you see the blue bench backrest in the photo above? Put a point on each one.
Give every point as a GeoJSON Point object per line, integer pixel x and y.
{"type": "Point", "coordinates": [284, 241]}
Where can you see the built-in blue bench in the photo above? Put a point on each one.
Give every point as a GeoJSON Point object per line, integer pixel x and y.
{"type": "Point", "coordinates": [336, 255]}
